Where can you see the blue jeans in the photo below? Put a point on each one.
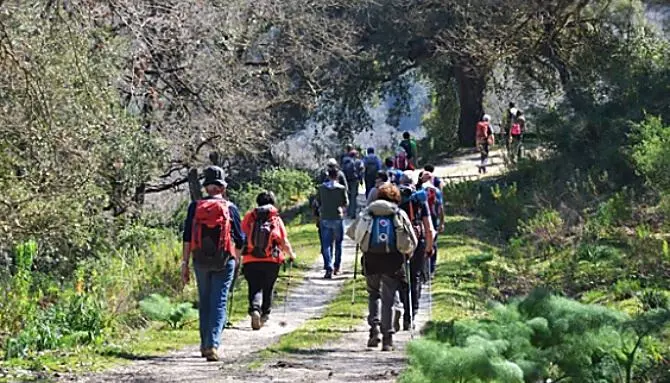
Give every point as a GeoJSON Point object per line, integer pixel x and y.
{"type": "Point", "coordinates": [213, 287]}
{"type": "Point", "coordinates": [332, 233]}
{"type": "Point", "coordinates": [353, 198]}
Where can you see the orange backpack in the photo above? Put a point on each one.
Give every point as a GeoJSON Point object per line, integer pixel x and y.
{"type": "Point", "coordinates": [211, 241]}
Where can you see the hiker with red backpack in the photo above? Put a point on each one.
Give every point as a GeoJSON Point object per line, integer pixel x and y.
{"type": "Point", "coordinates": [516, 136]}
{"type": "Point", "coordinates": [484, 137]}
{"type": "Point", "coordinates": [435, 200]}
{"type": "Point", "coordinates": [415, 204]}
{"type": "Point", "coordinates": [212, 238]}
{"type": "Point", "coordinates": [266, 250]}
{"type": "Point", "coordinates": [386, 237]}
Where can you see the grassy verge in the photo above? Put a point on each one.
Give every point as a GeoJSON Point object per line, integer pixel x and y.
{"type": "Point", "coordinates": [155, 339]}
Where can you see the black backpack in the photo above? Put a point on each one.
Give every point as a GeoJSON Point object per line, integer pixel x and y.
{"type": "Point", "coordinates": [263, 235]}
{"type": "Point", "coordinates": [349, 169]}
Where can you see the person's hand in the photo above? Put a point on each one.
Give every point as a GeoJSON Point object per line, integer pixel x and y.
{"type": "Point", "coordinates": [441, 228]}
{"type": "Point", "coordinates": [185, 273]}
{"type": "Point", "coordinates": [429, 252]}
{"type": "Point", "coordinates": [291, 257]}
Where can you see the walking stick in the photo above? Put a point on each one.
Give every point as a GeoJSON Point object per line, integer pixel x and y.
{"type": "Point", "coordinates": [288, 288]}
{"type": "Point", "coordinates": [411, 306]}
{"type": "Point", "coordinates": [353, 287]}
{"type": "Point", "coordinates": [430, 288]}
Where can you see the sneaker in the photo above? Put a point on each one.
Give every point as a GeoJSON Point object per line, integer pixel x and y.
{"type": "Point", "coordinates": [329, 275]}
{"type": "Point", "coordinates": [211, 355]}
{"type": "Point", "coordinates": [396, 320]}
{"type": "Point", "coordinates": [387, 343]}
{"type": "Point", "coordinates": [264, 318]}
{"type": "Point", "coordinates": [374, 339]}
{"type": "Point", "coordinates": [256, 320]}
{"type": "Point", "coordinates": [203, 352]}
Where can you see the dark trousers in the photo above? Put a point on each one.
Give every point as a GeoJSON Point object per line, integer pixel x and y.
{"type": "Point", "coordinates": [416, 270]}
{"type": "Point", "coordinates": [261, 278]}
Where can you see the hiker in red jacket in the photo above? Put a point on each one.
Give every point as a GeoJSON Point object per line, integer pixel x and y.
{"type": "Point", "coordinates": [266, 250]}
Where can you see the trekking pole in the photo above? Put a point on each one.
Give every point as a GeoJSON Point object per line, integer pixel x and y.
{"type": "Point", "coordinates": [430, 288]}
{"type": "Point", "coordinates": [411, 306]}
{"type": "Point", "coordinates": [282, 323]}
{"type": "Point", "coordinates": [353, 287]}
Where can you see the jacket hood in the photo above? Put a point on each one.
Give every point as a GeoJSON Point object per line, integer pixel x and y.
{"type": "Point", "coordinates": [381, 207]}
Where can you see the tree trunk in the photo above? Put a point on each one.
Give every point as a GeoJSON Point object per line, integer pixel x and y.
{"type": "Point", "coordinates": [471, 85]}
{"type": "Point", "coordinates": [194, 184]}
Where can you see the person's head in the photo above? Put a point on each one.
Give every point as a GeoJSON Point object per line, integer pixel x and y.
{"type": "Point", "coordinates": [348, 148]}
{"type": "Point", "coordinates": [353, 154]}
{"type": "Point", "coordinates": [333, 173]}
{"type": "Point", "coordinates": [486, 118]}
{"type": "Point", "coordinates": [381, 177]}
{"type": "Point", "coordinates": [371, 150]}
{"type": "Point", "coordinates": [429, 168]}
{"type": "Point", "coordinates": [266, 197]}
{"type": "Point", "coordinates": [331, 163]}
{"type": "Point", "coordinates": [388, 162]}
{"type": "Point", "coordinates": [406, 135]}
{"type": "Point", "coordinates": [214, 183]}
{"type": "Point", "coordinates": [406, 179]}
{"type": "Point", "coordinates": [511, 105]}
{"type": "Point", "coordinates": [388, 192]}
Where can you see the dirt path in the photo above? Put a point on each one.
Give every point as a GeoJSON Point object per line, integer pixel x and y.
{"type": "Point", "coordinates": [466, 166]}
{"type": "Point", "coordinates": [306, 300]}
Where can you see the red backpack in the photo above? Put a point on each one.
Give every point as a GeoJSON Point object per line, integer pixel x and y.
{"type": "Point", "coordinates": [265, 233]}
{"type": "Point", "coordinates": [211, 241]}
{"type": "Point", "coordinates": [401, 161]}
{"type": "Point", "coordinates": [516, 129]}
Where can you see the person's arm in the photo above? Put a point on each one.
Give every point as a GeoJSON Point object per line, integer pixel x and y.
{"type": "Point", "coordinates": [186, 247]}
{"type": "Point", "coordinates": [428, 228]}
{"type": "Point", "coordinates": [285, 244]}
{"type": "Point", "coordinates": [345, 198]}
{"type": "Point", "coordinates": [236, 228]}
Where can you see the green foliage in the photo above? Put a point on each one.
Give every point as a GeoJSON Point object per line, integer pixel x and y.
{"type": "Point", "coordinates": [159, 308]}
{"type": "Point", "coordinates": [505, 210]}
{"type": "Point", "coordinates": [540, 337]}
{"type": "Point", "coordinates": [462, 197]}
{"type": "Point", "coordinates": [290, 186]}
{"type": "Point", "coordinates": [649, 153]}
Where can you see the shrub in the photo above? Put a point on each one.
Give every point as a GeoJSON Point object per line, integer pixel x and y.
{"type": "Point", "coordinates": [462, 197]}
{"type": "Point", "coordinates": [649, 153]}
{"type": "Point", "coordinates": [159, 308]}
{"type": "Point", "coordinates": [505, 208]}
{"type": "Point", "coordinates": [541, 338]}
{"type": "Point", "coordinates": [290, 186]}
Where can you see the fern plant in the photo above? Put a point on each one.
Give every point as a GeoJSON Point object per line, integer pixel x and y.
{"type": "Point", "coordinates": [160, 308]}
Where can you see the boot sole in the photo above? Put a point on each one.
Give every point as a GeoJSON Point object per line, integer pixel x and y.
{"type": "Point", "coordinates": [256, 321]}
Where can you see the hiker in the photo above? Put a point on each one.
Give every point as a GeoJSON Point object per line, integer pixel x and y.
{"type": "Point", "coordinates": [353, 172]}
{"type": "Point", "coordinates": [401, 161]}
{"type": "Point", "coordinates": [333, 201]}
{"type": "Point", "coordinates": [415, 204]}
{"type": "Point", "coordinates": [483, 134]}
{"type": "Point", "coordinates": [213, 238]}
{"type": "Point", "coordinates": [321, 178]}
{"type": "Point", "coordinates": [385, 236]}
{"type": "Point", "coordinates": [393, 173]}
{"type": "Point", "coordinates": [348, 148]}
{"type": "Point", "coordinates": [509, 120]}
{"type": "Point", "coordinates": [428, 175]}
{"type": "Point", "coordinates": [381, 179]}
{"type": "Point", "coordinates": [435, 180]}
{"type": "Point", "coordinates": [409, 145]}
{"type": "Point", "coordinates": [516, 135]}
{"type": "Point", "coordinates": [266, 250]}
{"type": "Point", "coordinates": [372, 165]}
{"type": "Point", "coordinates": [435, 200]}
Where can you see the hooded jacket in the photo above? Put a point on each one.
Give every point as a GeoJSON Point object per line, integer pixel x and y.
{"type": "Point", "coordinates": [331, 198]}
{"type": "Point", "coordinates": [278, 234]}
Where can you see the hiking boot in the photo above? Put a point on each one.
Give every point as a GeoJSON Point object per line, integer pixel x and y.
{"type": "Point", "coordinates": [396, 320]}
{"type": "Point", "coordinates": [256, 320]}
{"type": "Point", "coordinates": [329, 275]}
{"type": "Point", "coordinates": [211, 355]}
{"type": "Point", "coordinates": [264, 318]}
{"type": "Point", "coordinates": [374, 339]}
{"type": "Point", "coordinates": [336, 271]}
{"type": "Point", "coordinates": [387, 342]}
{"type": "Point", "coordinates": [203, 352]}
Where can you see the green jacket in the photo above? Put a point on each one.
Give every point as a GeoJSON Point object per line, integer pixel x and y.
{"type": "Point", "coordinates": [332, 199]}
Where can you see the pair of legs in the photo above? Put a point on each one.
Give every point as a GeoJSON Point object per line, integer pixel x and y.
{"type": "Point", "coordinates": [261, 278]}
{"type": "Point", "coordinates": [213, 288]}
{"type": "Point", "coordinates": [382, 290]}
{"type": "Point", "coordinates": [369, 185]}
{"type": "Point", "coordinates": [484, 152]}
{"type": "Point", "coordinates": [353, 197]}
{"type": "Point", "coordinates": [410, 303]}
{"type": "Point", "coordinates": [332, 233]}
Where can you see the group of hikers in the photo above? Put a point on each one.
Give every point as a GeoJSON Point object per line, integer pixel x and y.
{"type": "Point", "coordinates": [396, 232]}
{"type": "Point", "coordinates": [514, 125]}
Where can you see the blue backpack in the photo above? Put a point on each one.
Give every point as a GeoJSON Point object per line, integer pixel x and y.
{"type": "Point", "coordinates": [382, 235]}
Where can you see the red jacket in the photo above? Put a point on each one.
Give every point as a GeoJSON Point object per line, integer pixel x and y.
{"type": "Point", "coordinates": [278, 236]}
